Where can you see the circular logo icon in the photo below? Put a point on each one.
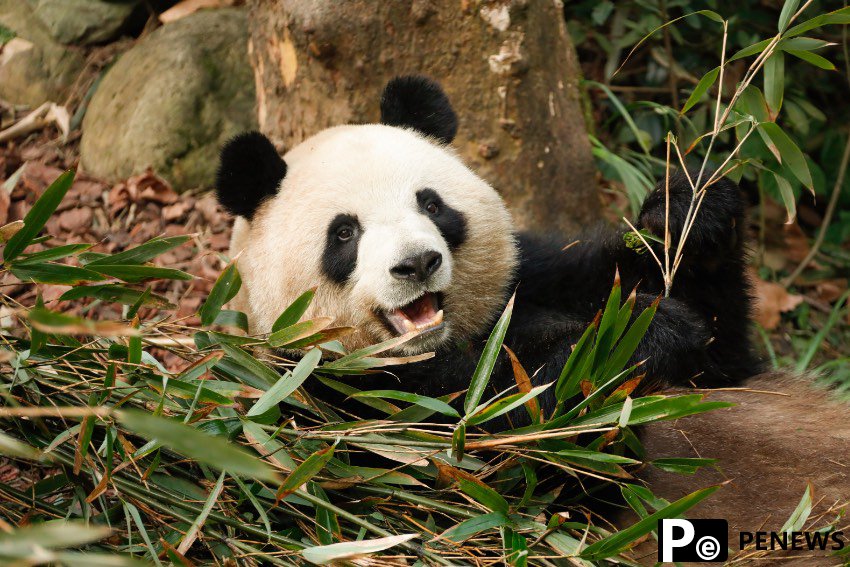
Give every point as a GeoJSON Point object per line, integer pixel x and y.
{"type": "Point", "coordinates": [708, 548]}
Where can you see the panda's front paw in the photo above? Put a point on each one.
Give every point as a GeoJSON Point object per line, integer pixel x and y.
{"type": "Point", "coordinates": [719, 218]}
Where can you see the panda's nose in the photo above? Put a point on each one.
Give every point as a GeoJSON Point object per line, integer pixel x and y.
{"type": "Point", "coordinates": [417, 268]}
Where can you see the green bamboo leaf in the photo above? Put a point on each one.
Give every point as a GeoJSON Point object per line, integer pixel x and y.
{"type": "Point", "coordinates": [55, 534]}
{"type": "Point", "coordinates": [52, 254]}
{"type": "Point", "coordinates": [621, 540]}
{"type": "Point", "coordinates": [231, 318]}
{"type": "Point", "coordinates": [472, 526]}
{"type": "Point", "coordinates": [251, 371]}
{"type": "Point", "coordinates": [702, 87]}
{"type": "Point", "coordinates": [639, 134]}
{"type": "Point", "coordinates": [485, 365]}
{"type": "Point", "coordinates": [305, 471]}
{"type": "Point", "coordinates": [295, 311]}
{"type": "Point", "coordinates": [816, 342]}
{"type": "Point", "coordinates": [792, 157]}
{"type": "Point", "coordinates": [135, 272]}
{"type": "Point", "coordinates": [338, 552]}
{"type": "Point", "coordinates": [327, 523]}
{"type": "Point", "coordinates": [788, 198]}
{"type": "Point", "coordinates": [11, 447]}
{"type": "Point", "coordinates": [682, 465]}
{"type": "Point", "coordinates": [803, 44]}
{"type": "Point", "coordinates": [298, 331]}
{"type": "Point", "coordinates": [813, 58]}
{"type": "Point", "coordinates": [51, 273]}
{"type": "Point", "coordinates": [840, 16]}
{"type": "Point", "coordinates": [630, 341]}
{"type": "Point", "coordinates": [37, 216]}
{"type": "Point", "coordinates": [213, 451]}
{"type": "Point", "coordinates": [774, 82]}
{"type": "Point", "coordinates": [570, 377]}
{"type": "Point", "coordinates": [506, 404]}
{"type": "Point", "coordinates": [142, 253]}
{"type": "Point", "coordinates": [484, 495]}
{"type": "Point", "coordinates": [424, 401]}
{"type": "Point", "coordinates": [788, 10]}
{"type": "Point", "coordinates": [192, 533]}
{"type": "Point", "coordinates": [224, 289]}
{"type": "Point", "coordinates": [459, 441]}
{"type": "Point", "coordinates": [117, 294]}
{"type": "Point", "coordinates": [801, 513]}
{"type": "Point", "coordinates": [287, 383]}
{"type": "Point", "coordinates": [751, 50]}
{"type": "Point", "coordinates": [261, 510]}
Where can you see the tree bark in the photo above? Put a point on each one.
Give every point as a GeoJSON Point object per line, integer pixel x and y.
{"type": "Point", "coordinates": [507, 66]}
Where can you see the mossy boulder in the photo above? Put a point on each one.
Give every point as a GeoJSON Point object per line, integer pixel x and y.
{"type": "Point", "coordinates": [172, 100]}
{"type": "Point", "coordinates": [84, 22]}
{"type": "Point", "coordinates": [34, 68]}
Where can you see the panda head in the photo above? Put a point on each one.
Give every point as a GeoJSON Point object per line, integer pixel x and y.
{"type": "Point", "coordinates": [393, 230]}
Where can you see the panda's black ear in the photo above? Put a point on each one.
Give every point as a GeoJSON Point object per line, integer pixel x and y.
{"type": "Point", "coordinates": [418, 102]}
{"type": "Point", "coordinates": [249, 171]}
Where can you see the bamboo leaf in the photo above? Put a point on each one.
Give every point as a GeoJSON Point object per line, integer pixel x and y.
{"type": "Point", "coordinates": [473, 526]}
{"type": "Point", "coordinates": [792, 157]}
{"type": "Point", "coordinates": [812, 58]}
{"type": "Point", "coordinates": [295, 311]}
{"type": "Point", "coordinates": [134, 273]}
{"type": "Point", "coordinates": [788, 198]}
{"type": "Point", "coordinates": [788, 10]}
{"type": "Point", "coordinates": [188, 441]}
{"type": "Point", "coordinates": [336, 552]}
{"type": "Point", "coordinates": [51, 273]}
{"type": "Point", "coordinates": [485, 365]}
{"type": "Point", "coordinates": [702, 87]}
{"type": "Point", "coordinates": [224, 289]}
{"type": "Point", "coordinates": [424, 401]}
{"type": "Point", "coordinates": [305, 471]}
{"type": "Point", "coordinates": [774, 82]}
{"type": "Point", "coordinates": [37, 216]}
{"type": "Point", "coordinates": [142, 253]}
{"type": "Point", "coordinates": [287, 383]}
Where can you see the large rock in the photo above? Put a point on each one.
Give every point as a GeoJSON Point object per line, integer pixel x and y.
{"type": "Point", "coordinates": [172, 100]}
{"type": "Point", "coordinates": [33, 67]}
{"type": "Point", "coordinates": [83, 22]}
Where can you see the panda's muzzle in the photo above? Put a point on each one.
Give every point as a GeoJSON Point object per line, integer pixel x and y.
{"type": "Point", "coordinates": [422, 314]}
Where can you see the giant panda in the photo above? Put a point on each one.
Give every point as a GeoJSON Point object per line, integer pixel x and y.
{"type": "Point", "coordinates": [399, 235]}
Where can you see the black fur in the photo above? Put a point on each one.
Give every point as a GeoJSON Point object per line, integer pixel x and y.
{"type": "Point", "coordinates": [419, 103]}
{"type": "Point", "coordinates": [340, 257]}
{"type": "Point", "coordinates": [699, 335]}
{"type": "Point", "coordinates": [450, 222]}
{"type": "Point", "coordinates": [250, 171]}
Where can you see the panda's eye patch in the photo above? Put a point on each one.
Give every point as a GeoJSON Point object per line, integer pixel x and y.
{"type": "Point", "coordinates": [450, 222]}
{"type": "Point", "coordinates": [340, 255]}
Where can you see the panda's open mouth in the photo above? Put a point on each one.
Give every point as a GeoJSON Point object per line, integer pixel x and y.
{"type": "Point", "coordinates": [423, 314]}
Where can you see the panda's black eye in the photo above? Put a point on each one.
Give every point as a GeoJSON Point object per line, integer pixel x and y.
{"type": "Point", "coordinates": [432, 208]}
{"type": "Point", "coordinates": [344, 233]}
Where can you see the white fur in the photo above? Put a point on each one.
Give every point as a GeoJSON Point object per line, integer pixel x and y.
{"type": "Point", "coordinates": [373, 172]}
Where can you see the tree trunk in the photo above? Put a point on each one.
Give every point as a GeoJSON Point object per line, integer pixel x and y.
{"type": "Point", "coordinates": [508, 68]}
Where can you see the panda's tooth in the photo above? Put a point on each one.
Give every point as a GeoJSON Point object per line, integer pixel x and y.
{"type": "Point", "coordinates": [438, 318]}
{"type": "Point", "coordinates": [408, 325]}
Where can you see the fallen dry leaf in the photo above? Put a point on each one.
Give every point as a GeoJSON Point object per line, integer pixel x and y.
{"type": "Point", "coordinates": [771, 300]}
